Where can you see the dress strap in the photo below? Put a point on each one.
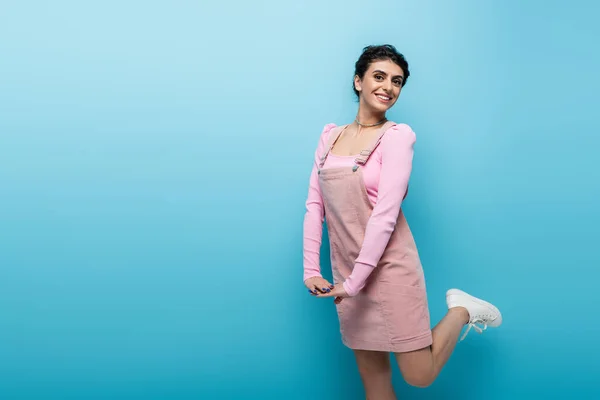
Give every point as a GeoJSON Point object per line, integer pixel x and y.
{"type": "Point", "coordinates": [334, 136]}
{"type": "Point", "coordinates": [364, 155]}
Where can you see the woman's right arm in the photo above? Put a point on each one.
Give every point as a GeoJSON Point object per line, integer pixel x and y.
{"type": "Point", "coordinates": [315, 213]}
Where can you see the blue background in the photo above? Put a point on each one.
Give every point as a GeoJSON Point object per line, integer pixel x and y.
{"type": "Point", "coordinates": [154, 161]}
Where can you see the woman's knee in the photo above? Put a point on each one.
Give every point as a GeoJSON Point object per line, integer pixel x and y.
{"type": "Point", "coordinates": [420, 380]}
{"type": "Point", "coordinates": [417, 368]}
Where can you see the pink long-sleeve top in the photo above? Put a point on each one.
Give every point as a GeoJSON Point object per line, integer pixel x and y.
{"type": "Point", "coordinates": [386, 175]}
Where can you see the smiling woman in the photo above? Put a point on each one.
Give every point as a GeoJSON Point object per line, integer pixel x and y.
{"type": "Point", "coordinates": [359, 179]}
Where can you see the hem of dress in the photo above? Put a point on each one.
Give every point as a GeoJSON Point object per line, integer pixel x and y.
{"type": "Point", "coordinates": [403, 346]}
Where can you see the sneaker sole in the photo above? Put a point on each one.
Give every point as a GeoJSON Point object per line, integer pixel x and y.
{"type": "Point", "coordinates": [495, 323]}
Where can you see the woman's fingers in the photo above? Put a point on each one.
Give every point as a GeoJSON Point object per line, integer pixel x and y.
{"type": "Point", "coordinates": [319, 285]}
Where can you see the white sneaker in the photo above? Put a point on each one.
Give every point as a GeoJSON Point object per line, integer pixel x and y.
{"type": "Point", "coordinates": [480, 311]}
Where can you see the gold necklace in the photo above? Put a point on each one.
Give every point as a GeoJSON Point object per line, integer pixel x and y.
{"type": "Point", "coordinates": [370, 125]}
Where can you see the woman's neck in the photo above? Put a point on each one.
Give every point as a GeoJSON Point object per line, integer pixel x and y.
{"type": "Point", "coordinates": [368, 117]}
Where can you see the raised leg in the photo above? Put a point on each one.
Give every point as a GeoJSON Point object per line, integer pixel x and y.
{"type": "Point", "coordinates": [421, 367]}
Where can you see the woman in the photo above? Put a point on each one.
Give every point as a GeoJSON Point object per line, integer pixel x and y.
{"type": "Point", "coordinates": [358, 182]}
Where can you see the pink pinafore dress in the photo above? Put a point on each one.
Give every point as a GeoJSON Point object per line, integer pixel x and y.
{"type": "Point", "coordinates": [391, 312]}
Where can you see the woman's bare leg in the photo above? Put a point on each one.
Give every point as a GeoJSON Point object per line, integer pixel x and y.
{"type": "Point", "coordinates": [376, 374]}
{"type": "Point", "coordinates": [421, 367]}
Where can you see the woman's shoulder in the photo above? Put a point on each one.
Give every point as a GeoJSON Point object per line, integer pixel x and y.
{"type": "Point", "coordinates": [327, 132]}
{"type": "Point", "coordinates": [401, 127]}
{"type": "Point", "coordinates": [397, 137]}
{"type": "Point", "coordinates": [399, 131]}
{"type": "Point", "coordinates": [328, 128]}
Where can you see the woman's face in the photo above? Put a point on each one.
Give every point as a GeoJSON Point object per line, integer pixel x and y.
{"type": "Point", "coordinates": [380, 87]}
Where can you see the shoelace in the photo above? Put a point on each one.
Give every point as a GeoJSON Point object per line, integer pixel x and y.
{"type": "Point", "coordinates": [472, 323]}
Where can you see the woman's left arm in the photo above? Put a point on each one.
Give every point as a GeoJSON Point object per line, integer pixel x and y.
{"type": "Point", "coordinates": [397, 149]}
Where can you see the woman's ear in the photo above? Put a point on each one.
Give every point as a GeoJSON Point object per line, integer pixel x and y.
{"type": "Point", "coordinates": [357, 83]}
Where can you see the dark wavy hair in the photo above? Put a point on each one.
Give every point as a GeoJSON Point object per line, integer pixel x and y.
{"type": "Point", "coordinates": [374, 53]}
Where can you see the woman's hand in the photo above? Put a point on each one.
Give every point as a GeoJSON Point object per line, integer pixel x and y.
{"type": "Point", "coordinates": [337, 292]}
{"type": "Point", "coordinates": [317, 285]}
